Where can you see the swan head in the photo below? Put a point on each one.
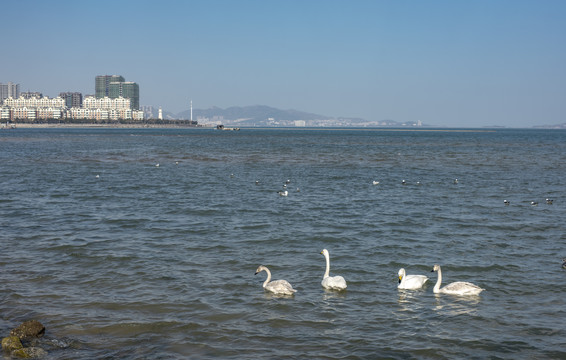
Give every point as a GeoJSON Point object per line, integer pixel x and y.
{"type": "Point", "coordinates": [324, 252]}
{"type": "Point", "coordinates": [436, 267]}
{"type": "Point", "coordinates": [260, 269]}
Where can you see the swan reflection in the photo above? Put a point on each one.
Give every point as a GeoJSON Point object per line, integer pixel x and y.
{"type": "Point", "coordinates": [462, 306]}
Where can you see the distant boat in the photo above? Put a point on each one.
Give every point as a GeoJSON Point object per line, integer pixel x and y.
{"type": "Point", "coordinates": [221, 127]}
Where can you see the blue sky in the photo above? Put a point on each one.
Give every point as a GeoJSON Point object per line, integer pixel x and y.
{"type": "Point", "coordinates": [446, 63]}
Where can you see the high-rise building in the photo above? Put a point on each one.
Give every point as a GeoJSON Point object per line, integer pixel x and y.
{"type": "Point", "coordinates": [72, 99]}
{"type": "Point", "coordinates": [114, 86]}
{"type": "Point", "coordinates": [9, 90]}
{"type": "Point", "coordinates": [129, 90]}
{"type": "Point", "coordinates": [102, 83]}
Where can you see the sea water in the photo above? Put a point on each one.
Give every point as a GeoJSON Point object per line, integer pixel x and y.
{"type": "Point", "coordinates": [121, 258]}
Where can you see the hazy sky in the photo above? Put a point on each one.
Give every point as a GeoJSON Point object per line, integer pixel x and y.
{"type": "Point", "coordinates": [449, 63]}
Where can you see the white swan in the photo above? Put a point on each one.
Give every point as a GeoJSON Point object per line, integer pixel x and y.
{"type": "Point", "coordinates": [455, 288]}
{"type": "Point", "coordinates": [279, 287]}
{"type": "Point", "coordinates": [410, 281]}
{"type": "Point", "coordinates": [331, 282]}
{"type": "Point", "coordinates": [283, 193]}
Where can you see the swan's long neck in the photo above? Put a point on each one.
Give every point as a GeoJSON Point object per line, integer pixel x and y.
{"type": "Point", "coordinates": [438, 281]}
{"type": "Point", "coordinates": [327, 272]}
{"type": "Point", "coordinates": [268, 277]}
{"type": "Point", "coordinates": [403, 277]}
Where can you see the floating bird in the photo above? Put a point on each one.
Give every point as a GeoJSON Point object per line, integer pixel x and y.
{"type": "Point", "coordinates": [455, 181]}
{"type": "Point", "coordinates": [97, 176]}
{"type": "Point", "coordinates": [455, 288]}
{"type": "Point", "coordinates": [403, 182]}
{"type": "Point", "coordinates": [176, 163]}
{"type": "Point", "coordinates": [376, 182]}
{"type": "Point", "coordinates": [284, 186]}
{"type": "Point", "coordinates": [564, 263]}
{"type": "Point", "coordinates": [410, 282]}
{"type": "Point", "coordinates": [534, 203]}
{"type": "Point", "coordinates": [283, 193]}
{"type": "Point", "coordinates": [331, 282]}
{"type": "Point", "coordinates": [288, 181]}
{"type": "Point", "coordinates": [157, 165]}
{"type": "Point", "coordinates": [279, 287]}
{"type": "Point", "coordinates": [418, 182]}
{"type": "Point", "coordinates": [506, 202]}
{"type": "Point", "coordinates": [549, 201]}
{"type": "Point", "coordinates": [257, 182]}
{"type": "Point", "coordinates": [298, 190]}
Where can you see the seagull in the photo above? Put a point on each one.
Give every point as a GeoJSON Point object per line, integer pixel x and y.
{"type": "Point", "coordinates": [549, 201]}
{"type": "Point", "coordinates": [97, 176]}
{"type": "Point", "coordinates": [376, 182]}
{"type": "Point", "coordinates": [283, 193]}
{"type": "Point", "coordinates": [157, 165]}
{"type": "Point", "coordinates": [506, 202]}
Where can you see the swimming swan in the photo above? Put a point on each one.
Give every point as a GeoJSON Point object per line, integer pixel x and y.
{"type": "Point", "coordinates": [331, 282]}
{"type": "Point", "coordinates": [455, 288]}
{"type": "Point", "coordinates": [410, 281]}
{"type": "Point", "coordinates": [279, 287]}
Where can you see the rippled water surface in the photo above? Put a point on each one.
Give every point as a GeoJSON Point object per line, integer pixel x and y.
{"type": "Point", "coordinates": [120, 258]}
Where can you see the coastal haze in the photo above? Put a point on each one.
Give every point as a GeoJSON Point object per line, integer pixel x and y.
{"type": "Point", "coordinates": [453, 64]}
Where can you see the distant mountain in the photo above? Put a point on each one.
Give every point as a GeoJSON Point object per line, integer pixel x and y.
{"type": "Point", "coordinates": [257, 113]}
{"type": "Point", "coordinates": [261, 115]}
{"type": "Point", "coordinates": [265, 116]}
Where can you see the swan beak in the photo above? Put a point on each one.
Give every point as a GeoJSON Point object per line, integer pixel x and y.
{"type": "Point", "coordinates": [256, 273]}
{"type": "Point", "coordinates": [432, 270]}
{"type": "Point", "coordinates": [400, 277]}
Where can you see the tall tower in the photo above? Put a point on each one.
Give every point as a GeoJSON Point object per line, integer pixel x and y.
{"type": "Point", "coordinates": [102, 83]}
{"type": "Point", "coordinates": [9, 90]}
{"type": "Point", "coordinates": [160, 116]}
{"type": "Point", "coordinates": [191, 110]}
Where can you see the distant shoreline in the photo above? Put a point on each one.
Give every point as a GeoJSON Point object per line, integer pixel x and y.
{"type": "Point", "coordinates": [205, 127]}
{"type": "Point", "coordinates": [9, 126]}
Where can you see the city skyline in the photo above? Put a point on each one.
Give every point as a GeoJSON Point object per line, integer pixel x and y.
{"type": "Point", "coordinates": [443, 63]}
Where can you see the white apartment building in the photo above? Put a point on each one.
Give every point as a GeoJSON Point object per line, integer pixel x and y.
{"type": "Point", "coordinates": [35, 102]}
{"type": "Point", "coordinates": [106, 103]}
{"type": "Point", "coordinates": [46, 108]}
